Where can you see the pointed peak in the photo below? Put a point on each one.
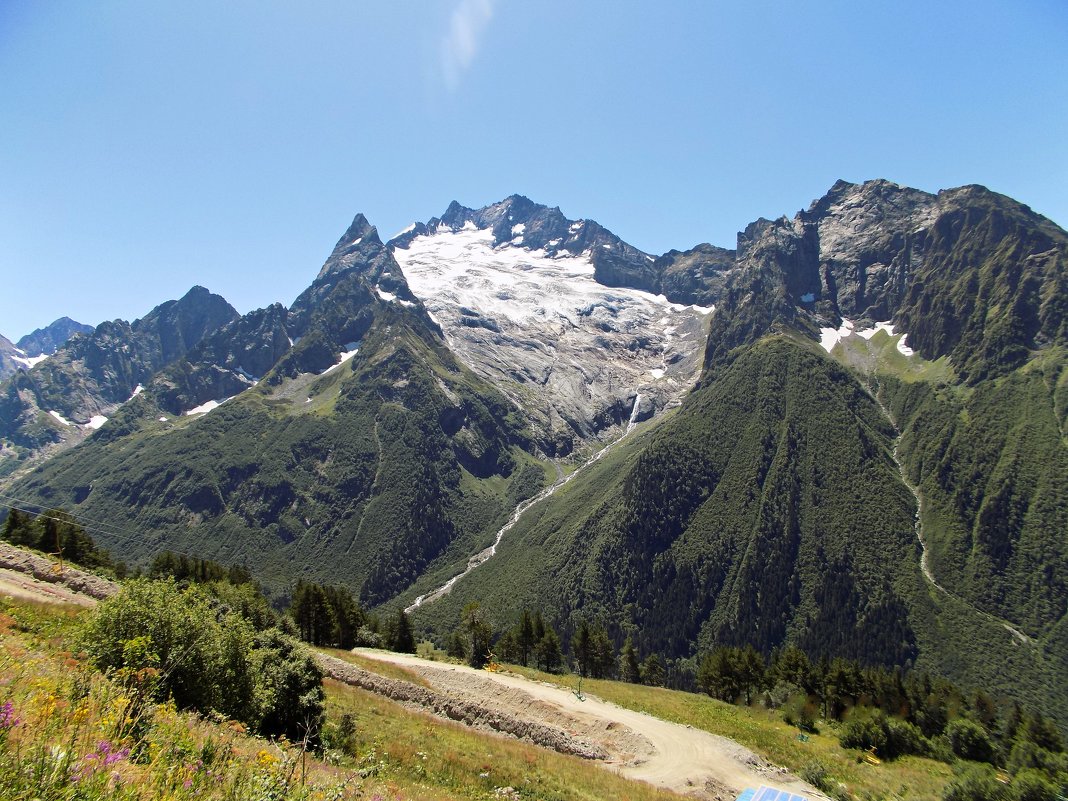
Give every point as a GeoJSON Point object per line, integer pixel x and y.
{"type": "Point", "coordinates": [360, 229]}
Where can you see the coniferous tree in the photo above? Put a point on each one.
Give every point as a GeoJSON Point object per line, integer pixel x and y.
{"type": "Point", "coordinates": [479, 634]}
{"type": "Point", "coordinates": [547, 652]}
{"type": "Point", "coordinates": [718, 672]}
{"type": "Point", "coordinates": [750, 672]}
{"type": "Point", "coordinates": [539, 627]}
{"type": "Point", "coordinates": [602, 654]}
{"type": "Point", "coordinates": [525, 639]}
{"type": "Point", "coordinates": [313, 614]}
{"type": "Point", "coordinates": [14, 525]}
{"type": "Point", "coordinates": [652, 671]}
{"type": "Point", "coordinates": [403, 638]}
{"type": "Point", "coordinates": [629, 668]}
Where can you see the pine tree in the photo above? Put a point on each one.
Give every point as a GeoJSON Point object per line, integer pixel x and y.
{"type": "Point", "coordinates": [629, 669]}
{"type": "Point", "coordinates": [750, 672]}
{"type": "Point", "coordinates": [602, 654]}
{"type": "Point", "coordinates": [525, 640]}
{"type": "Point", "coordinates": [403, 640]}
{"type": "Point", "coordinates": [652, 671]}
{"type": "Point", "coordinates": [547, 652]}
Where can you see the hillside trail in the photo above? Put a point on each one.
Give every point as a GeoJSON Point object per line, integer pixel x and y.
{"type": "Point", "coordinates": [562, 479]}
{"type": "Point", "coordinates": [925, 565]}
{"type": "Point", "coordinates": [682, 759]}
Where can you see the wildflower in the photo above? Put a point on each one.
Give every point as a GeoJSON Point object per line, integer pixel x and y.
{"type": "Point", "coordinates": [265, 758]}
{"type": "Point", "coordinates": [8, 718]}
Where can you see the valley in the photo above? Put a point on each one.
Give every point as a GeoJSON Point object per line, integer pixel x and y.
{"type": "Point", "coordinates": [844, 435]}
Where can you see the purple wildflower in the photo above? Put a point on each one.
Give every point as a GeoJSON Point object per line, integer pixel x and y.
{"type": "Point", "coordinates": [8, 719]}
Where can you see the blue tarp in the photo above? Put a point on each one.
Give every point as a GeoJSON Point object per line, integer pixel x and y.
{"type": "Point", "coordinates": [769, 794]}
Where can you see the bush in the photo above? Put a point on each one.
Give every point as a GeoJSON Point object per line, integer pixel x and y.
{"type": "Point", "coordinates": [199, 663]}
{"type": "Point", "coordinates": [288, 689]}
{"type": "Point", "coordinates": [976, 783]}
{"type": "Point", "coordinates": [969, 740]}
{"type": "Point", "coordinates": [1032, 785]}
{"type": "Point", "coordinates": [169, 642]}
{"type": "Point", "coordinates": [815, 773]}
{"type": "Point", "coordinates": [864, 732]}
{"type": "Point", "coordinates": [890, 737]}
{"type": "Point", "coordinates": [800, 711]}
{"type": "Point", "coordinates": [903, 738]}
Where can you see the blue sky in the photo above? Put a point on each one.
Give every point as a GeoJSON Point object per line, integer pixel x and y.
{"type": "Point", "coordinates": [146, 147]}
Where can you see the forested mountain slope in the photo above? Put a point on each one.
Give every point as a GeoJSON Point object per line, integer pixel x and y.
{"type": "Point", "coordinates": [362, 452]}
{"type": "Point", "coordinates": [771, 508]}
{"type": "Point", "coordinates": [778, 505]}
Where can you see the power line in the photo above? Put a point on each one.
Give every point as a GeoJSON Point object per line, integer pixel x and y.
{"type": "Point", "coordinates": [107, 528]}
{"type": "Point", "coordinates": [114, 534]}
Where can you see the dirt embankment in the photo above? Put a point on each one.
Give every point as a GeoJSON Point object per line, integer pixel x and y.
{"type": "Point", "coordinates": [462, 709]}
{"type": "Point", "coordinates": [637, 745]}
{"type": "Point", "coordinates": [28, 575]}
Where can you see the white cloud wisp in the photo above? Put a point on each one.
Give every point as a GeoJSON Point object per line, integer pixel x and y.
{"type": "Point", "coordinates": [460, 44]}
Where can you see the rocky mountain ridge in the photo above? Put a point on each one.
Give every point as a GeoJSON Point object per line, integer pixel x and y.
{"type": "Point", "coordinates": [61, 399]}
{"type": "Point", "coordinates": [28, 351]}
{"type": "Point", "coordinates": [378, 432]}
{"type": "Point", "coordinates": [48, 339]}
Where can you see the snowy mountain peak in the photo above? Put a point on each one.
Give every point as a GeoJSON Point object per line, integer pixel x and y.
{"type": "Point", "coordinates": [515, 288]}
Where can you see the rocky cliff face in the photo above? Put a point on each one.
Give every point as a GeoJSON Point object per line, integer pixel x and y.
{"type": "Point", "coordinates": [34, 348]}
{"type": "Point", "coordinates": [69, 395]}
{"type": "Point", "coordinates": [933, 265]}
{"type": "Point", "coordinates": [9, 358]}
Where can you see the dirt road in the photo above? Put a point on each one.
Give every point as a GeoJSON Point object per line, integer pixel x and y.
{"type": "Point", "coordinates": [678, 758]}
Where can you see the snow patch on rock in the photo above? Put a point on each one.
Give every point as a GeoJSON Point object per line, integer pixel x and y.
{"type": "Point", "coordinates": [60, 418]}
{"type": "Point", "coordinates": [30, 361]}
{"type": "Point", "coordinates": [204, 408]}
{"type": "Point", "coordinates": [829, 337]}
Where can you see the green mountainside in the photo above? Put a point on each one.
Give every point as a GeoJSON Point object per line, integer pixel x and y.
{"type": "Point", "coordinates": [767, 508]}
{"type": "Point", "coordinates": [771, 509]}
{"type": "Point", "coordinates": [356, 473]}
{"type": "Point", "coordinates": [898, 497]}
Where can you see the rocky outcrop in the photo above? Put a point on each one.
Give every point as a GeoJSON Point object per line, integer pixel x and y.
{"type": "Point", "coordinates": [697, 276]}
{"type": "Point", "coordinates": [934, 265]}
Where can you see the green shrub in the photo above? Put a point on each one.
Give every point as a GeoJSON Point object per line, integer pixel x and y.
{"type": "Point", "coordinates": [201, 664]}
{"type": "Point", "coordinates": [170, 642]}
{"type": "Point", "coordinates": [890, 737]}
{"type": "Point", "coordinates": [1033, 785]}
{"type": "Point", "coordinates": [288, 688]}
{"type": "Point", "coordinates": [903, 738]}
{"type": "Point", "coordinates": [976, 783]}
{"type": "Point", "coordinates": [969, 740]}
{"type": "Point", "coordinates": [799, 710]}
{"type": "Point", "coordinates": [864, 732]}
